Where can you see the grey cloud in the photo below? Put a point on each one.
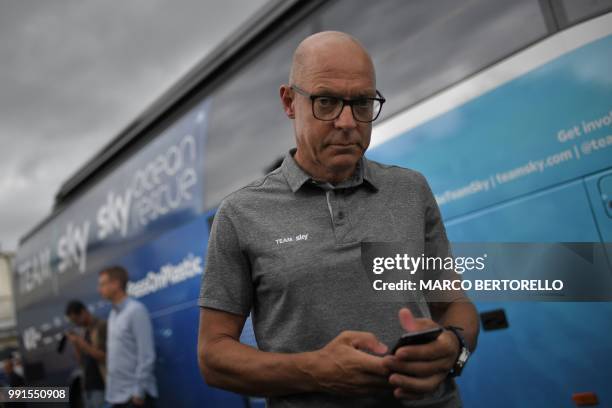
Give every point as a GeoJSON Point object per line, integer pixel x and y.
{"type": "Point", "coordinates": [75, 73]}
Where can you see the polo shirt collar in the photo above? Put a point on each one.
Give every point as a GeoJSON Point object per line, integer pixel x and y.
{"type": "Point", "coordinates": [367, 173]}
{"type": "Point", "coordinates": [121, 305]}
{"type": "Point", "coordinates": [296, 176]}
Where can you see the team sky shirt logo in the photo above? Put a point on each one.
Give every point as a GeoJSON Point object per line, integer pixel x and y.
{"type": "Point", "coordinates": [300, 237]}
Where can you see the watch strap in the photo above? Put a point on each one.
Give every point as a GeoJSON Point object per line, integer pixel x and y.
{"type": "Point", "coordinates": [464, 352]}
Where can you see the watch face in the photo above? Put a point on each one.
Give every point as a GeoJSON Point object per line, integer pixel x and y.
{"type": "Point", "coordinates": [463, 356]}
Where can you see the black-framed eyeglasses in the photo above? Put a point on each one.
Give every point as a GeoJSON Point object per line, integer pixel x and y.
{"type": "Point", "coordinates": [329, 107]}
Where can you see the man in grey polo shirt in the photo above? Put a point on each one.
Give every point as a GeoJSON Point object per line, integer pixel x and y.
{"type": "Point", "coordinates": [286, 248]}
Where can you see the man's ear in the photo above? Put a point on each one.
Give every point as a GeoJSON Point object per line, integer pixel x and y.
{"type": "Point", "coordinates": [286, 96]}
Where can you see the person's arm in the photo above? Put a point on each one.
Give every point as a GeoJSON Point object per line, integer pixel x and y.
{"type": "Point", "coordinates": [340, 367]}
{"type": "Point", "coordinates": [75, 340]}
{"type": "Point", "coordinates": [452, 307]}
{"type": "Point", "coordinates": [98, 354]}
{"type": "Point", "coordinates": [82, 346]}
{"type": "Point", "coordinates": [100, 345]}
{"type": "Point", "coordinates": [145, 349]}
{"type": "Point", "coordinates": [460, 313]}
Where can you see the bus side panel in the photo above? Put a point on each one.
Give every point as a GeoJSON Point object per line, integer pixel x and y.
{"type": "Point", "coordinates": [599, 187]}
{"type": "Point", "coordinates": [550, 349]}
{"type": "Point", "coordinates": [176, 367]}
{"type": "Point", "coordinates": [548, 126]}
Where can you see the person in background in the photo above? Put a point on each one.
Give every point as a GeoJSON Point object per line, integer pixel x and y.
{"type": "Point", "coordinates": [91, 351]}
{"type": "Point", "coordinates": [130, 351]}
{"type": "Point", "coordinates": [13, 379]}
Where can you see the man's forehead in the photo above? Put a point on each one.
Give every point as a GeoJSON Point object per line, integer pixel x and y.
{"type": "Point", "coordinates": [339, 82]}
{"type": "Point", "coordinates": [336, 75]}
{"type": "Point", "coordinates": [343, 90]}
{"type": "Point", "coordinates": [349, 61]}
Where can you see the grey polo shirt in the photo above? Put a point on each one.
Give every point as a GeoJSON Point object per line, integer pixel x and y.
{"type": "Point", "coordinates": [286, 249]}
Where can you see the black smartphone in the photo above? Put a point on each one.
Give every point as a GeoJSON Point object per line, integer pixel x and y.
{"type": "Point", "coordinates": [62, 344]}
{"type": "Point", "coordinates": [414, 338]}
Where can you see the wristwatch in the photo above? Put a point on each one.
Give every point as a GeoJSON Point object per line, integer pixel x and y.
{"type": "Point", "coordinates": [464, 352]}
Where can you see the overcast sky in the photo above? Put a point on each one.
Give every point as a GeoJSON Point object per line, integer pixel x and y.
{"type": "Point", "coordinates": [74, 73]}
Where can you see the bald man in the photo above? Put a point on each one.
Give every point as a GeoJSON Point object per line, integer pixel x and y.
{"type": "Point", "coordinates": [286, 248]}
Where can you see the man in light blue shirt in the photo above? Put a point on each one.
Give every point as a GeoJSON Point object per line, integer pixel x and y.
{"type": "Point", "coordinates": [130, 350]}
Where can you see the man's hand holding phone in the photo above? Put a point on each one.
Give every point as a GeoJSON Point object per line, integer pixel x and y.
{"type": "Point", "coordinates": [350, 365]}
{"type": "Point", "coordinates": [418, 369]}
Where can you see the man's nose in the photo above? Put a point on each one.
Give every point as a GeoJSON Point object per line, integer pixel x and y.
{"type": "Point", "coordinates": [346, 119]}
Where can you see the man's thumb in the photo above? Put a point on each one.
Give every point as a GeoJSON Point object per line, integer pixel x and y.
{"type": "Point", "coordinates": [367, 341]}
{"type": "Point", "coordinates": [407, 320]}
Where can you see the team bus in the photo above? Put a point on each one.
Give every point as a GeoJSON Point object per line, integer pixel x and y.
{"type": "Point", "coordinates": [504, 106]}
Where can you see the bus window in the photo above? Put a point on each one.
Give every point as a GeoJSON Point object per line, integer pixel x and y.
{"type": "Point", "coordinates": [422, 47]}
{"type": "Point", "coordinates": [574, 11]}
{"type": "Point", "coordinates": [248, 129]}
